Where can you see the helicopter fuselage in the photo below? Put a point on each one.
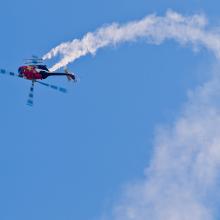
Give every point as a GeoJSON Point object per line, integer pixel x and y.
{"type": "Point", "coordinates": [33, 72]}
{"type": "Point", "coordinates": [40, 72]}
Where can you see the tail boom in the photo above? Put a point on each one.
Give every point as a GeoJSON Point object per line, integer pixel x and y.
{"type": "Point", "coordinates": [68, 75]}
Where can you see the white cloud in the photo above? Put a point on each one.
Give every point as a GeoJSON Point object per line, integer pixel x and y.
{"type": "Point", "coordinates": [182, 178]}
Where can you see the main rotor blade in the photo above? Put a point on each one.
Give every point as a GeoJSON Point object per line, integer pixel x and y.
{"type": "Point", "coordinates": [30, 101]}
{"type": "Point", "coordinates": [5, 72]}
{"type": "Point", "coordinates": [61, 89]}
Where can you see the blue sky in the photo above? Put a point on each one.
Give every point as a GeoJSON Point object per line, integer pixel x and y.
{"type": "Point", "coordinates": [70, 155]}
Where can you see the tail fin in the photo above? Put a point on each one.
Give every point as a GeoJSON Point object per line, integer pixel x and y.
{"type": "Point", "coordinates": [70, 76]}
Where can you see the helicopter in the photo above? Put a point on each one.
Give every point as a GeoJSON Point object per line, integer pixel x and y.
{"type": "Point", "coordinates": [34, 70]}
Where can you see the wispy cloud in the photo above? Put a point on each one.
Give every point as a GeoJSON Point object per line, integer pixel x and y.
{"type": "Point", "coordinates": [154, 29]}
{"type": "Point", "coordinates": [181, 181]}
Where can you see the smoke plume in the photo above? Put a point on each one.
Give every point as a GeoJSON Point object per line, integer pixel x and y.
{"type": "Point", "coordinates": [181, 182]}
{"type": "Point", "coordinates": [153, 29]}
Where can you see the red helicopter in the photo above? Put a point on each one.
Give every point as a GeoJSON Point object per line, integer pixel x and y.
{"type": "Point", "coordinates": [34, 70]}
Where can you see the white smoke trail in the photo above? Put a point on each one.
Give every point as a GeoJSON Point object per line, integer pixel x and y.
{"type": "Point", "coordinates": [181, 182]}
{"type": "Point", "coordinates": [153, 29]}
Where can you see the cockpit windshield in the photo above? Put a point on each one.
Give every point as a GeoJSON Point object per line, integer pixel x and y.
{"type": "Point", "coordinates": [19, 70]}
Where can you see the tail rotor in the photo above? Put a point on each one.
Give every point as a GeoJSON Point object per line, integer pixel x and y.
{"type": "Point", "coordinates": [70, 76]}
